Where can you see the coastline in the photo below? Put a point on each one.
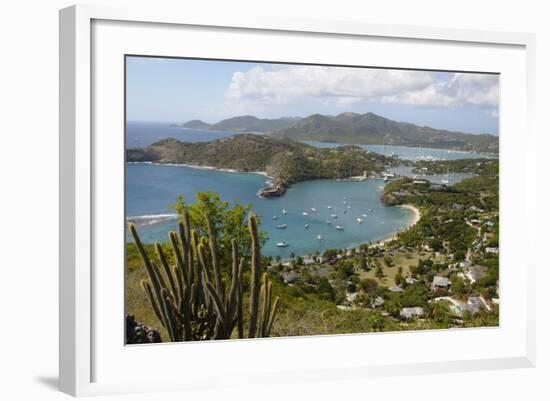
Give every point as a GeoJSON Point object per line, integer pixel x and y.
{"type": "Point", "coordinates": [416, 216]}
{"type": "Point", "coordinates": [224, 170]}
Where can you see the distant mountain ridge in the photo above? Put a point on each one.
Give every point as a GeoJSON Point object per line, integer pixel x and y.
{"type": "Point", "coordinates": [370, 128]}
{"type": "Point", "coordinates": [355, 128]}
{"type": "Point", "coordinates": [196, 124]}
{"type": "Point", "coordinates": [244, 124]}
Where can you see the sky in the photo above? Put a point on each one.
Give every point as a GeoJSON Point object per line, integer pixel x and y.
{"type": "Point", "coordinates": [178, 90]}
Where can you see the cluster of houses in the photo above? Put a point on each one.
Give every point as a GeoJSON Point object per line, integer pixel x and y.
{"type": "Point", "coordinates": [467, 270]}
{"type": "Point", "coordinates": [440, 284]}
{"type": "Point", "coordinates": [473, 305]}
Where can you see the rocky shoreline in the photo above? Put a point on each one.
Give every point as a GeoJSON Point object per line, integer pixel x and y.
{"type": "Point", "coordinates": [274, 190]}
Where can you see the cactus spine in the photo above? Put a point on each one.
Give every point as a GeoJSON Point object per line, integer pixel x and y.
{"type": "Point", "coordinates": [191, 299]}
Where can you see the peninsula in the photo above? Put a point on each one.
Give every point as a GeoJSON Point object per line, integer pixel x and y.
{"type": "Point", "coordinates": [285, 160]}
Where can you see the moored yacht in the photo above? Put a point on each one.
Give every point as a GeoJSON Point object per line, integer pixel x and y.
{"type": "Point", "coordinates": [282, 244]}
{"type": "Point", "coordinates": [281, 226]}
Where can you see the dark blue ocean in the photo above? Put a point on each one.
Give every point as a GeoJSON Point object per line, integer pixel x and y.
{"type": "Point", "coordinates": [140, 134]}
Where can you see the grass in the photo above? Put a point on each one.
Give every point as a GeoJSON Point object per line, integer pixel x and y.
{"type": "Point", "coordinates": [136, 300]}
{"type": "Point", "coordinates": [402, 259]}
{"type": "Point", "coordinates": [300, 313]}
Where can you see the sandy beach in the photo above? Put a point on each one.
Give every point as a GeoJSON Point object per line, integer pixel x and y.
{"type": "Point", "coordinates": [414, 220]}
{"type": "Point", "coordinates": [416, 214]}
{"type": "Point", "coordinates": [225, 170]}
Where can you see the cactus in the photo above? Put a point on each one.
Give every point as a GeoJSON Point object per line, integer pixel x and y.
{"type": "Point", "coordinates": [191, 299]}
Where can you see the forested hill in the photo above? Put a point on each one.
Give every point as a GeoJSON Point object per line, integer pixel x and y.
{"type": "Point", "coordinates": [371, 128]}
{"type": "Point", "coordinates": [286, 160]}
{"type": "Point", "coordinates": [243, 124]}
{"type": "Point", "coordinates": [368, 128]}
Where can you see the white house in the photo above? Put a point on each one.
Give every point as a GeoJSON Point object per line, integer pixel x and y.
{"type": "Point", "coordinates": [411, 313]}
{"type": "Point", "coordinates": [440, 283]}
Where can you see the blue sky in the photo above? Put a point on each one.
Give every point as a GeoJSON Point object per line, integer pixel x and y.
{"type": "Point", "coordinates": [178, 90]}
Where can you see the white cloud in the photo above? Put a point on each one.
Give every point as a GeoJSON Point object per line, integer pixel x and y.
{"type": "Point", "coordinates": [345, 86]}
{"type": "Point", "coordinates": [458, 90]}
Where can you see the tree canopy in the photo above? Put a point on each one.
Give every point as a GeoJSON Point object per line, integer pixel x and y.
{"type": "Point", "coordinates": [229, 220]}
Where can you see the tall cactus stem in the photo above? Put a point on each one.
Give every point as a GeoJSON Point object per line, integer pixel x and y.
{"type": "Point", "coordinates": [255, 276]}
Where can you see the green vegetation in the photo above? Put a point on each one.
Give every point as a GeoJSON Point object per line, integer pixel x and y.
{"type": "Point", "coordinates": [375, 287]}
{"type": "Point", "coordinates": [284, 159]}
{"type": "Point", "coordinates": [449, 213]}
{"type": "Point", "coordinates": [367, 128]}
{"type": "Point", "coordinates": [228, 220]}
{"type": "Point", "coordinates": [370, 128]}
{"type": "Point", "coordinates": [472, 166]}
{"type": "Point", "coordinates": [192, 300]}
{"type": "Point", "coordinates": [243, 124]}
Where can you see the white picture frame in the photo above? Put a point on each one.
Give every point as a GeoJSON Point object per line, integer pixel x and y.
{"type": "Point", "coordinates": [81, 214]}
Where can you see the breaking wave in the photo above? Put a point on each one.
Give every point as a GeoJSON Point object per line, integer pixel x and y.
{"type": "Point", "coordinates": [150, 219]}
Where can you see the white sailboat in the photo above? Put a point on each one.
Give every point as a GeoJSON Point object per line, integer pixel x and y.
{"type": "Point", "coordinates": [306, 226]}
{"type": "Point", "coordinates": [281, 226]}
{"type": "Point", "coordinates": [359, 220]}
{"type": "Point", "coordinates": [319, 237]}
{"type": "Point", "coordinates": [339, 228]}
{"type": "Point", "coordinates": [282, 244]}
{"type": "Point", "coordinates": [304, 213]}
{"type": "Point", "coordinates": [284, 211]}
{"type": "Point", "coordinates": [314, 210]}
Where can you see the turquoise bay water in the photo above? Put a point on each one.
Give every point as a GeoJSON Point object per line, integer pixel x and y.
{"type": "Point", "coordinates": [453, 178]}
{"type": "Point", "coordinates": [151, 188]}
{"type": "Point", "coordinates": [407, 153]}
